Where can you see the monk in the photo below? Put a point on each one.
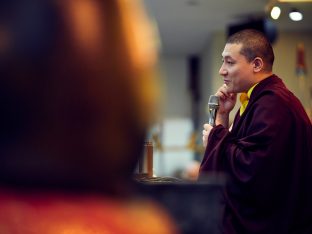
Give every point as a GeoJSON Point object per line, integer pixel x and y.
{"type": "Point", "coordinates": [267, 153]}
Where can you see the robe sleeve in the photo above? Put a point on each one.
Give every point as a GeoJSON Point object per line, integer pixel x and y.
{"type": "Point", "coordinates": [253, 151]}
{"type": "Point", "coordinates": [267, 160]}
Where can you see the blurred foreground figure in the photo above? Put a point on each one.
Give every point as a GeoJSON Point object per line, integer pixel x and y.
{"type": "Point", "coordinates": [77, 94]}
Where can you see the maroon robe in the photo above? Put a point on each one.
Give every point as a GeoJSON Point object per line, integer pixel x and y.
{"type": "Point", "coordinates": [267, 158]}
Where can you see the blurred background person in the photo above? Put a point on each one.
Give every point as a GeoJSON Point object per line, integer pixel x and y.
{"type": "Point", "coordinates": [78, 92]}
{"type": "Point", "coordinates": [189, 173]}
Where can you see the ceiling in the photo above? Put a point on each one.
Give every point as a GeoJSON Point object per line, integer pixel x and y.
{"type": "Point", "coordinates": [185, 26]}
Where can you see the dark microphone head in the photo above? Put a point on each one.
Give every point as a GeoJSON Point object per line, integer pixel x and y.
{"type": "Point", "coordinates": [213, 105]}
{"type": "Point", "coordinates": [213, 102]}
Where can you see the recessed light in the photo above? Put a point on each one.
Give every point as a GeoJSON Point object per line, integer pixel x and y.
{"type": "Point", "coordinates": [295, 15]}
{"type": "Point", "coordinates": [275, 12]}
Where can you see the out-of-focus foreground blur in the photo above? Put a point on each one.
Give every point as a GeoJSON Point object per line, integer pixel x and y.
{"type": "Point", "coordinates": [78, 91]}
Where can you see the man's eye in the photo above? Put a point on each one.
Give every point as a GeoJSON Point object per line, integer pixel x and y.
{"type": "Point", "coordinates": [227, 61]}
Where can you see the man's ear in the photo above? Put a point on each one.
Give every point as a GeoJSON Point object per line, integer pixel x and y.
{"type": "Point", "coordinates": [258, 64]}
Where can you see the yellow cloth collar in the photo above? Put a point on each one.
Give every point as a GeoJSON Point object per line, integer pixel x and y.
{"type": "Point", "coordinates": [244, 98]}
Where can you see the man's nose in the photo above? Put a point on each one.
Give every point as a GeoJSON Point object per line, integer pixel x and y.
{"type": "Point", "coordinates": [222, 71]}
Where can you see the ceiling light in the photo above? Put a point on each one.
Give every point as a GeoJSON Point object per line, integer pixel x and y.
{"type": "Point", "coordinates": [275, 12]}
{"type": "Point", "coordinates": [295, 15]}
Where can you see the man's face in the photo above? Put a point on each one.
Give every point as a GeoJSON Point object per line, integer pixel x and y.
{"type": "Point", "coordinates": [236, 71]}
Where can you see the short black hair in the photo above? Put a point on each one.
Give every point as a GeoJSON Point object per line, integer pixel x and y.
{"type": "Point", "coordinates": [254, 44]}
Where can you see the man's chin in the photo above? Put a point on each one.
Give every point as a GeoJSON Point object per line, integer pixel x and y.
{"type": "Point", "coordinates": [229, 88]}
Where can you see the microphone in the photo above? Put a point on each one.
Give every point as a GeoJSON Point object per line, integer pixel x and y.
{"type": "Point", "coordinates": [213, 105]}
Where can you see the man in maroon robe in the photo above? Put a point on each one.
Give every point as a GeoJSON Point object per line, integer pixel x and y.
{"type": "Point", "coordinates": [267, 153]}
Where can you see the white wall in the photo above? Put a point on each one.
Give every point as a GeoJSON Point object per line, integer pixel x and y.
{"type": "Point", "coordinates": [175, 128]}
{"type": "Point", "coordinates": [174, 72]}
